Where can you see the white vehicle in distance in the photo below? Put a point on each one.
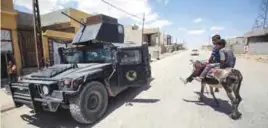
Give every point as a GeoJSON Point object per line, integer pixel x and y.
{"type": "Point", "coordinates": [194, 52]}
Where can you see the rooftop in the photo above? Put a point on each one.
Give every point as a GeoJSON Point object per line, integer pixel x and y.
{"type": "Point", "coordinates": [261, 32]}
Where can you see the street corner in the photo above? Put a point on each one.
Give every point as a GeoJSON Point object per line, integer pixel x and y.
{"type": "Point", "coordinates": [6, 102]}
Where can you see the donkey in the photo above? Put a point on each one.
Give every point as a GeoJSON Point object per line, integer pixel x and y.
{"type": "Point", "coordinates": [230, 79]}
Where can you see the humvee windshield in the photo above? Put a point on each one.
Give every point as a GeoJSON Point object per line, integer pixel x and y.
{"type": "Point", "coordinates": [99, 55]}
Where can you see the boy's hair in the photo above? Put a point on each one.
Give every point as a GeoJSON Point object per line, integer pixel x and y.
{"type": "Point", "coordinates": [221, 42]}
{"type": "Point", "coordinates": [216, 37]}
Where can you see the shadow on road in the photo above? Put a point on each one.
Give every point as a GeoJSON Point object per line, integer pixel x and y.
{"type": "Point", "coordinates": [224, 107]}
{"type": "Point", "coordinates": [63, 118]}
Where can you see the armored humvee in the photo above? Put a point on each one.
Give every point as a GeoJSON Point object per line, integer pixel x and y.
{"type": "Point", "coordinates": [98, 65]}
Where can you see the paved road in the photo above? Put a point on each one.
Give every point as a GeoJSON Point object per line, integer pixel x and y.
{"type": "Point", "coordinates": [168, 103]}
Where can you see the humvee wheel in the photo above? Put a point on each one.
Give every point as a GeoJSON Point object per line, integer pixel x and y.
{"type": "Point", "coordinates": [90, 104]}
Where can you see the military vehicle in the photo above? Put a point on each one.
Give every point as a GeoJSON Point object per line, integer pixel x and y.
{"type": "Point", "coordinates": [99, 65]}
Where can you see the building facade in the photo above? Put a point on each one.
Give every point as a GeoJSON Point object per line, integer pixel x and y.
{"type": "Point", "coordinates": [9, 41]}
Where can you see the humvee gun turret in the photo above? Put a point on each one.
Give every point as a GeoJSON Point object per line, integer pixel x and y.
{"type": "Point", "coordinates": [98, 65]}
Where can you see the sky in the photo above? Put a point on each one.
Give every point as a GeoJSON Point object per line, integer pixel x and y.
{"type": "Point", "coordinates": [190, 21]}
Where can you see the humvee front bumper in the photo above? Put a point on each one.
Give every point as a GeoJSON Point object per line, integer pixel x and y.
{"type": "Point", "coordinates": [31, 95]}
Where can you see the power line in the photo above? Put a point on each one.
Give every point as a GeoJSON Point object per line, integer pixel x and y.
{"type": "Point", "coordinates": [143, 18]}
{"type": "Point", "coordinates": [261, 21]}
{"type": "Point", "coordinates": [121, 10]}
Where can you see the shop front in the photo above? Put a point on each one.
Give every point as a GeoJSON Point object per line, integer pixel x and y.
{"type": "Point", "coordinates": [9, 41]}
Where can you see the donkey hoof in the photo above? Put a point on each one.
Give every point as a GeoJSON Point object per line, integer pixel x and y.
{"type": "Point", "coordinates": [235, 115]}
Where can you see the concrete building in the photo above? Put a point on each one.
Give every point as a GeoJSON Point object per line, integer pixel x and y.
{"type": "Point", "coordinates": [257, 42]}
{"type": "Point", "coordinates": [253, 42]}
{"type": "Point", "coordinates": [17, 35]}
{"type": "Point", "coordinates": [156, 39]}
{"type": "Point", "coordinates": [26, 40]}
{"type": "Point", "coordinates": [236, 40]}
{"type": "Point", "coordinates": [9, 41]}
{"type": "Point", "coordinates": [132, 34]}
{"type": "Point", "coordinates": [59, 31]}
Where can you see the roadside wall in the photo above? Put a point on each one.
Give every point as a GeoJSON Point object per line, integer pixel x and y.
{"type": "Point", "coordinates": [254, 48]}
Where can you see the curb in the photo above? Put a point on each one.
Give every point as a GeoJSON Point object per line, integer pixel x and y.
{"type": "Point", "coordinates": [163, 56]}
{"type": "Point", "coordinates": [7, 109]}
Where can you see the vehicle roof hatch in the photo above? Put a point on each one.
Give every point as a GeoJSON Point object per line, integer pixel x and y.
{"type": "Point", "coordinates": [99, 28]}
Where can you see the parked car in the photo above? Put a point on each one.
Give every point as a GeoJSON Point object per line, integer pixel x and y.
{"type": "Point", "coordinates": [194, 52]}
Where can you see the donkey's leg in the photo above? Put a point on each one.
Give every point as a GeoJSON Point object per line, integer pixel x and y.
{"type": "Point", "coordinates": [201, 96]}
{"type": "Point", "coordinates": [213, 95]}
{"type": "Point", "coordinates": [238, 99]}
{"type": "Point", "coordinates": [231, 97]}
{"type": "Point", "coordinates": [235, 114]}
{"type": "Point", "coordinates": [236, 79]}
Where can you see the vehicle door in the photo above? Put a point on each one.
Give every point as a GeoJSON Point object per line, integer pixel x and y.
{"type": "Point", "coordinates": [132, 71]}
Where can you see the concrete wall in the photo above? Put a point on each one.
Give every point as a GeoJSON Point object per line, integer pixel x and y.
{"type": "Point", "coordinates": [55, 17]}
{"type": "Point", "coordinates": [236, 40]}
{"type": "Point", "coordinates": [151, 30]}
{"type": "Point", "coordinates": [254, 48]}
{"type": "Point", "coordinates": [77, 15]}
{"type": "Point", "coordinates": [25, 20]}
{"type": "Point", "coordinates": [258, 48]}
{"type": "Point", "coordinates": [6, 5]}
{"type": "Point", "coordinates": [132, 35]}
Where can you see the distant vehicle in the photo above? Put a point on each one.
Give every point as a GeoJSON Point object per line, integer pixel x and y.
{"type": "Point", "coordinates": [194, 52]}
{"type": "Point", "coordinates": [87, 75]}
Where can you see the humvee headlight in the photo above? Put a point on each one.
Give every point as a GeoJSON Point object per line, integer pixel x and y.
{"type": "Point", "coordinates": [78, 81]}
{"type": "Point", "coordinates": [67, 82]}
{"type": "Point", "coordinates": [45, 89]}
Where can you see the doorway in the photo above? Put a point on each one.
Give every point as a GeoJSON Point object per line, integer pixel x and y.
{"type": "Point", "coordinates": [5, 57]}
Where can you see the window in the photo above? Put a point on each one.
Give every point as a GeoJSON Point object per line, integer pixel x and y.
{"type": "Point", "coordinates": [100, 55]}
{"type": "Point", "coordinates": [120, 29]}
{"type": "Point", "coordinates": [74, 57]}
{"type": "Point", "coordinates": [130, 57]}
{"type": "Point", "coordinates": [6, 41]}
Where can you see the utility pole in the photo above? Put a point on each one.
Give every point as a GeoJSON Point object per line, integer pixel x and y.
{"type": "Point", "coordinates": [142, 31]}
{"type": "Point", "coordinates": [38, 35]}
{"type": "Point", "coordinates": [208, 40]}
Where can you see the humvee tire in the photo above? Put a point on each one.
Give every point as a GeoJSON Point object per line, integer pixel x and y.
{"type": "Point", "coordinates": [90, 105]}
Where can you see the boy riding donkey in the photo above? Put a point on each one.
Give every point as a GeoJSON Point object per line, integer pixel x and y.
{"type": "Point", "coordinates": [213, 61]}
{"type": "Point", "coordinates": [223, 75]}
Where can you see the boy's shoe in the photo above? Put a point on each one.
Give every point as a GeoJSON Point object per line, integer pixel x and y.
{"type": "Point", "coordinates": [198, 79]}
{"type": "Point", "coordinates": [183, 80]}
